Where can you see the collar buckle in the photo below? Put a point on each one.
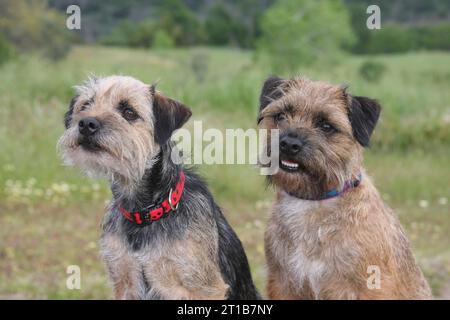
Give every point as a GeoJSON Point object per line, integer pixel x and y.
{"type": "Point", "coordinates": [155, 211]}
{"type": "Point", "coordinates": [174, 208]}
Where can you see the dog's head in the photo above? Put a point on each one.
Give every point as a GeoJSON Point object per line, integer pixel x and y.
{"type": "Point", "coordinates": [322, 132]}
{"type": "Point", "coordinates": [116, 125]}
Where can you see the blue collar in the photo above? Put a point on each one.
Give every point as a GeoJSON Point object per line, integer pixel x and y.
{"type": "Point", "coordinates": [348, 185]}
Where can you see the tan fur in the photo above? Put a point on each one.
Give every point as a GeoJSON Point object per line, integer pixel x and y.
{"type": "Point", "coordinates": [126, 149]}
{"type": "Point", "coordinates": [322, 249]}
{"type": "Point", "coordinates": [332, 161]}
{"type": "Point", "coordinates": [122, 267]}
{"type": "Point", "coordinates": [188, 273]}
{"type": "Point", "coordinates": [185, 268]}
{"type": "Point", "coordinates": [181, 270]}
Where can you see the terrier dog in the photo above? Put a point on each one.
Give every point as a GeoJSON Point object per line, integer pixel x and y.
{"type": "Point", "coordinates": [164, 237]}
{"type": "Point", "coordinates": [330, 236]}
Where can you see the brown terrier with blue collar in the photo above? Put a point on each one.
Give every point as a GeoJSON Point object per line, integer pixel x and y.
{"type": "Point", "coordinates": [330, 236]}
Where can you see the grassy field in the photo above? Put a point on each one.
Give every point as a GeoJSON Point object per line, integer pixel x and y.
{"type": "Point", "coordinates": [50, 215]}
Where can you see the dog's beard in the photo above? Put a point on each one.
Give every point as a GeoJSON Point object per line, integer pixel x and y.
{"type": "Point", "coordinates": [111, 156]}
{"type": "Point", "coordinates": [312, 173]}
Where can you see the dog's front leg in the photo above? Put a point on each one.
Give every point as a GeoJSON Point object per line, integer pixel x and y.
{"type": "Point", "coordinates": [185, 280]}
{"type": "Point", "coordinates": [122, 269]}
{"type": "Point", "coordinates": [187, 270]}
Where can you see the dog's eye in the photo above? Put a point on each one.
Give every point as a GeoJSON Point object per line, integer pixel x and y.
{"type": "Point", "coordinates": [127, 111]}
{"type": "Point", "coordinates": [279, 117]}
{"type": "Point", "coordinates": [84, 106]}
{"type": "Point", "coordinates": [129, 114]}
{"type": "Point", "coordinates": [326, 127]}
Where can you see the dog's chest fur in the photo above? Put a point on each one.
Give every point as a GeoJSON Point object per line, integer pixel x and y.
{"type": "Point", "coordinates": [126, 266]}
{"type": "Point", "coordinates": [306, 239]}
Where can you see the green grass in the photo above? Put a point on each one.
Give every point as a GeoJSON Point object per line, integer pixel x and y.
{"type": "Point", "coordinates": [50, 215]}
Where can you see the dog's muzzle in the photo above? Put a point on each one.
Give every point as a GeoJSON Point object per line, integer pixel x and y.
{"type": "Point", "coordinates": [87, 128]}
{"type": "Point", "coordinates": [291, 146]}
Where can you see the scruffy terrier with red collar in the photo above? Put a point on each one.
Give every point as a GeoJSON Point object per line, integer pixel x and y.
{"type": "Point", "coordinates": [164, 237]}
{"type": "Point", "coordinates": [330, 236]}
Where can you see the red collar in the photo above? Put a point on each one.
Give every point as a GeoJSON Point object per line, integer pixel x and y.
{"type": "Point", "coordinates": [170, 204]}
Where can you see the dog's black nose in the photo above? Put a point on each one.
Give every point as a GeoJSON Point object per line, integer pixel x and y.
{"type": "Point", "coordinates": [88, 126]}
{"type": "Point", "coordinates": [290, 145]}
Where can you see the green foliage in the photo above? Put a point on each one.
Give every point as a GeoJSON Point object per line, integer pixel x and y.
{"type": "Point", "coordinates": [120, 35]}
{"type": "Point", "coordinates": [56, 39]}
{"type": "Point", "coordinates": [358, 18]}
{"type": "Point", "coordinates": [162, 40]}
{"type": "Point", "coordinates": [406, 11]}
{"type": "Point", "coordinates": [180, 23]}
{"type": "Point", "coordinates": [222, 28]}
{"type": "Point", "coordinates": [301, 32]}
{"type": "Point", "coordinates": [6, 50]}
{"type": "Point", "coordinates": [389, 39]}
{"type": "Point", "coordinates": [174, 25]}
{"type": "Point", "coordinates": [433, 37]}
{"type": "Point", "coordinates": [199, 65]}
{"type": "Point", "coordinates": [408, 159]}
{"type": "Point", "coordinates": [131, 34]}
{"type": "Point", "coordinates": [32, 27]}
{"type": "Point", "coordinates": [217, 25]}
{"type": "Point", "coordinates": [418, 24]}
{"type": "Point", "coordinates": [184, 20]}
{"type": "Point", "coordinates": [394, 37]}
{"type": "Point", "coordinates": [372, 71]}
{"type": "Point", "coordinates": [143, 34]}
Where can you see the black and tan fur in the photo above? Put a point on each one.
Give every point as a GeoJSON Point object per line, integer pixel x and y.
{"type": "Point", "coordinates": [189, 254]}
{"type": "Point", "coordinates": [323, 249]}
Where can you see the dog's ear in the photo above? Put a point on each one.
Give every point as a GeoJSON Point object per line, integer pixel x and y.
{"type": "Point", "coordinates": [68, 114]}
{"type": "Point", "coordinates": [270, 91]}
{"type": "Point", "coordinates": [363, 114]}
{"type": "Point", "coordinates": [169, 115]}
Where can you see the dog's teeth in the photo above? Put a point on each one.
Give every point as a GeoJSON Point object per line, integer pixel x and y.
{"type": "Point", "coordinates": [290, 164]}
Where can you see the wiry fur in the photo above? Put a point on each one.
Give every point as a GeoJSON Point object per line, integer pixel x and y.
{"type": "Point", "coordinates": [126, 151]}
{"type": "Point", "coordinates": [329, 161]}
{"type": "Point", "coordinates": [191, 253]}
{"type": "Point", "coordinates": [321, 249]}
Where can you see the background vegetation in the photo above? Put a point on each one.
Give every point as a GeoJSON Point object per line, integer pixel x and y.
{"type": "Point", "coordinates": [50, 215]}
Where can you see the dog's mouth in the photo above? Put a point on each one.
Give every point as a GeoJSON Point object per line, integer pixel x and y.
{"type": "Point", "coordinates": [290, 165]}
{"type": "Point", "coordinates": [88, 144]}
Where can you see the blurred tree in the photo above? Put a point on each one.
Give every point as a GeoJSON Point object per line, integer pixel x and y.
{"type": "Point", "coordinates": [405, 26]}
{"type": "Point", "coordinates": [358, 19]}
{"type": "Point", "coordinates": [143, 34]}
{"type": "Point", "coordinates": [237, 22]}
{"type": "Point", "coordinates": [6, 50]}
{"type": "Point", "coordinates": [217, 25]}
{"type": "Point", "coordinates": [180, 23]}
{"type": "Point", "coordinates": [434, 37]}
{"type": "Point", "coordinates": [296, 32]}
{"type": "Point", "coordinates": [32, 26]}
{"type": "Point", "coordinates": [250, 14]}
{"type": "Point", "coordinates": [199, 65]}
{"type": "Point", "coordinates": [390, 38]}
{"type": "Point", "coordinates": [129, 34]}
{"type": "Point", "coordinates": [410, 12]}
{"type": "Point", "coordinates": [120, 35]}
{"type": "Point", "coordinates": [372, 71]}
{"type": "Point", "coordinates": [162, 40]}
{"type": "Point", "coordinates": [223, 29]}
